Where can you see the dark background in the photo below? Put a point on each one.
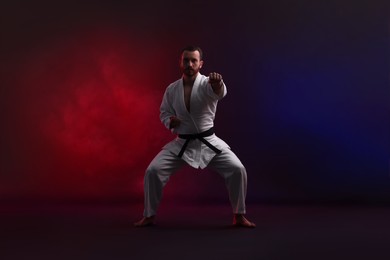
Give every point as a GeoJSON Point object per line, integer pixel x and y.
{"type": "Point", "coordinates": [307, 109]}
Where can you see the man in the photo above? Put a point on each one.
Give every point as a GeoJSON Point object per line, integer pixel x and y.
{"type": "Point", "coordinates": [188, 109]}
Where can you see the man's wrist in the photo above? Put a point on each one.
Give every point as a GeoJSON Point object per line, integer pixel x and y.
{"type": "Point", "coordinates": [170, 122]}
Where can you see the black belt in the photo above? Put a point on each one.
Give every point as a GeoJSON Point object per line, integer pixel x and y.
{"type": "Point", "coordinates": [199, 136]}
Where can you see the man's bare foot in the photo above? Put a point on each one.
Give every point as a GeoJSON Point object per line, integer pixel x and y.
{"type": "Point", "coordinates": [240, 221]}
{"type": "Point", "coordinates": [145, 222]}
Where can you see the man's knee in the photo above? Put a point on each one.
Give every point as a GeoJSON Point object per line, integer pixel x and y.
{"type": "Point", "coordinates": [151, 171]}
{"type": "Point", "coordinates": [236, 170]}
{"type": "Point", "coordinates": [240, 168]}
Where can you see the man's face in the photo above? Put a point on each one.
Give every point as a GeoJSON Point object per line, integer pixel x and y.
{"type": "Point", "coordinates": [190, 63]}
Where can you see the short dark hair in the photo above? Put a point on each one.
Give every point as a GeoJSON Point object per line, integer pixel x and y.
{"type": "Point", "coordinates": [193, 48]}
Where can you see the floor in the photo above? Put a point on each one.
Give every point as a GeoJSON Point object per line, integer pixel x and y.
{"type": "Point", "coordinates": [91, 231]}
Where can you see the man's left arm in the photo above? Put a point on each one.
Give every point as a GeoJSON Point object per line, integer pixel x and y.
{"type": "Point", "coordinates": [215, 80]}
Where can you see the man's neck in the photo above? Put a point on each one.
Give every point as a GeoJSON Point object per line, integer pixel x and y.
{"type": "Point", "coordinates": [189, 81]}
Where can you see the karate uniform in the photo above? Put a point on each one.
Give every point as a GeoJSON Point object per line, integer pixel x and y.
{"type": "Point", "coordinates": [203, 105]}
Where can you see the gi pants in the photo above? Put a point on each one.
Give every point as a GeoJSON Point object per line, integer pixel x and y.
{"type": "Point", "coordinates": [166, 163]}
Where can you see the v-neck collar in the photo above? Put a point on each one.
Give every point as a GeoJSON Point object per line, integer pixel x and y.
{"type": "Point", "coordinates": [193, 90]}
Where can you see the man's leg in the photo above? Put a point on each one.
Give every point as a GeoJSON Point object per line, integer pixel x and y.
{"type": "Point", "coordinates": [233, 171]}
{"type": "Point", "coordinates": [156, 177]}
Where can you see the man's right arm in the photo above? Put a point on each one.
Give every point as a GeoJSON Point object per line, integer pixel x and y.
{"type": "Point", "coordinates": [167, 112]}
{"type": "Point", "coordinates": [174, 122]}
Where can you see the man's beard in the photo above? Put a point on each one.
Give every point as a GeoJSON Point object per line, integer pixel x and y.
{"type": "Point", "coordinates": [189, 72]}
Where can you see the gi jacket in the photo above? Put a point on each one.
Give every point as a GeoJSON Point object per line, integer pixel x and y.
{"type": "Point", "coordinates": [203, 105]}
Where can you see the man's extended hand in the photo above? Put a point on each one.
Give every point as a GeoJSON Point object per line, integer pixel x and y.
{"type": "Point", "coordinates": [215, 80]}
{"type": "Point", "coordinates": [175, 122]}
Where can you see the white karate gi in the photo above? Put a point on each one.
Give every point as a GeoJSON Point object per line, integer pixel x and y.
{"type": "Point", "coordinates": [203, 104]}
